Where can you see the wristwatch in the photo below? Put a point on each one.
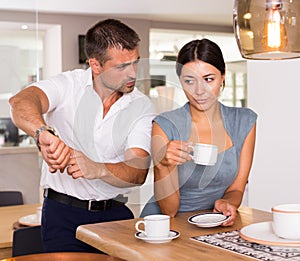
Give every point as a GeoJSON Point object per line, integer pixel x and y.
{"type": "Point", "coordinates": [39, 131]}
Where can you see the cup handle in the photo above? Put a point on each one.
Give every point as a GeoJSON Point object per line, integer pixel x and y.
{"type": "Point", "coordinates": [137, 226]}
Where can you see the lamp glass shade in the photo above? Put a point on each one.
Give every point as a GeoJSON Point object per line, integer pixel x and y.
{"type": "Point", "coordinates": [267, 29]}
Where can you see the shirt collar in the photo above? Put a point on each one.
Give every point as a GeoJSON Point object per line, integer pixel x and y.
{"type": "Point", "coordinates": [88, 78]}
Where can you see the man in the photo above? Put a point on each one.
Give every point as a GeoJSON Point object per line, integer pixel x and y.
{"type": "Point", "coordinates": [93, 129]}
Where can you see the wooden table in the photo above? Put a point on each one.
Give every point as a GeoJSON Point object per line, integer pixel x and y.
{"type": "Point", "coordinates": [117, 239]}
{"type": "Point", "coordinates": [8, 216]}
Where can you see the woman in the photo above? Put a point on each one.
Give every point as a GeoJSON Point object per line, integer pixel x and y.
{"type": "Point", "coordinates": [180, 184]}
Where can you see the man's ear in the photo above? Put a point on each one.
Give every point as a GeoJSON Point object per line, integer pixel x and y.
{"type": "Point", "coordinates": [95, 65]}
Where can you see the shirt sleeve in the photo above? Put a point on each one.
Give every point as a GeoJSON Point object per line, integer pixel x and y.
{"type": "Point", "coordinates": [56, 89]}
{"type": "Point", "coordinates": [141, 116]}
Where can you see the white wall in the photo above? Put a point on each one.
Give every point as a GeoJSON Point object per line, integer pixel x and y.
{"type": "Point", "coordinates": [273, 92]}
{"type": "Point", "coordinates": [10, 76]}
{"type": "Point", "coordinates": [52, 52]}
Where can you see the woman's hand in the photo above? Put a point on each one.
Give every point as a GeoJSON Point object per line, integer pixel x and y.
{"type": "Point", "coordinates": [174, 153]}
{"type": "Point", "coordinates": [227, 209]}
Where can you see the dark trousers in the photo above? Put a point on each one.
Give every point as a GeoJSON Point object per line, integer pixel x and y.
{"type": "Point", "coordinates": [59, 224]}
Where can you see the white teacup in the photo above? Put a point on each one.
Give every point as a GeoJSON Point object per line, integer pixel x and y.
{"type": "Point", "coordinates": [205, 154]}
{"type": "Point", "coordinates": [156, 226]}
{"type": "Point", "coordinates": [286, 221]}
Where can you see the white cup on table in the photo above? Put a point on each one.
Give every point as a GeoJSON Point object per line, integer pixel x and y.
{"type": "Point", "coordinates": [205, 154]}
{"type": "Point", "coordinates": [155, 226]}
{"type": "Point", "coordinates": [286, 221]}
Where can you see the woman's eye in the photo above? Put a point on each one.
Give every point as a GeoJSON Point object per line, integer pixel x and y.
{"type": "Point", "coordinates": [209, 79]}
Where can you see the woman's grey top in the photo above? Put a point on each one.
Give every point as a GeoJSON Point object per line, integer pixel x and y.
{"type": "Point", "coordinates": [201, 185]}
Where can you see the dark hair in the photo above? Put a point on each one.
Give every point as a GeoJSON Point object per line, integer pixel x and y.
{"type": "Point", "coordinates": [204, 50]}
{"type": "Point", "coordinates": [106, 34]}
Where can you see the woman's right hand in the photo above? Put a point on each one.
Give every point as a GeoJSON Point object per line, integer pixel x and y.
{"type": "Point", "coordinates": [175, 152]}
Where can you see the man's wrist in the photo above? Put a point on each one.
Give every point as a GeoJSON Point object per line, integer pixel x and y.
{"type": "Point", "coordinates": [39, 131]}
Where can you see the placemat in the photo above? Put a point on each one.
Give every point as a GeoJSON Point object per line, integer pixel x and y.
{"type": "Point", "coordinates": [233, 242]}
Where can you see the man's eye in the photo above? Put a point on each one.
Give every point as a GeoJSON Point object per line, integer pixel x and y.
{"type": "Point", "coordinates": [188, 81]}
{"type": "Point", "coordinates": [121, 66]}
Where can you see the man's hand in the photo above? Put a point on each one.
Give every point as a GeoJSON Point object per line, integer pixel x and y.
{"type": "Point", "coordinates": [80, 165]}
{"type": "Point", "coordinates": [54, 151]}
{"type": "Point", "coordinates": [129, 173]}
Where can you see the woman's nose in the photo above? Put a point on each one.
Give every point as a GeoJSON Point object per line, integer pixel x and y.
{"type": "Point", "coordinates": [202, 87]}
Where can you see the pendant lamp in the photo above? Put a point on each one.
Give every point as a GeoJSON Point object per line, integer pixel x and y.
{"type": "Point", "coordinates": [267, 29]}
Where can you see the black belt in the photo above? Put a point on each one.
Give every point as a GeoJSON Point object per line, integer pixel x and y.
{"type": "Point", "coordinates": [90, 205]}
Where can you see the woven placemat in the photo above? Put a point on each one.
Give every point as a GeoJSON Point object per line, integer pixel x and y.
{"type": "Point", "coordinates": [233, 242]}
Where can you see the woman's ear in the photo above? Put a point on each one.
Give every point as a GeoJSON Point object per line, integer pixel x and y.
{"type": "Point", "coordinates": [223, 76]}
{"type": "Point", "coordinates": [95, 65]}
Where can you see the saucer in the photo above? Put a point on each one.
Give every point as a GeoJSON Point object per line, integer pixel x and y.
{"type": "Point", "coordinates": [173, 234]}
{"type": "Point", "coordinates": [30, 220]}
{"type": "Point", "coordinates": [211, 219]}
{"type": "Point", "coordinates": [262, 233]}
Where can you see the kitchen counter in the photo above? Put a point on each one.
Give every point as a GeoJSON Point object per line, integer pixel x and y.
{"type": "Point", "coordinates": [18, 149]}
{"type": "Point", "coordinates": [20, 170]}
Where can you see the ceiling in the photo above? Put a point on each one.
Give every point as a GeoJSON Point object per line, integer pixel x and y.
{"type": "Point", "coordinates": [204, 12]}
{"type": "Point", "coordinates": [210, 12]}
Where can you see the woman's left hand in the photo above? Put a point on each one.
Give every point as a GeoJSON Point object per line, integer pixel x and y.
{"type": "Point", "coordinates": [227, 209]}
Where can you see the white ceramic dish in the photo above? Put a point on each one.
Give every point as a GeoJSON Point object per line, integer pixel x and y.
{"type": "Point", "coordinates": [262, 233]}
{"type": "Point", "coordinates": [173, 234]}
{"type": "Point", "coordinates": [30, 220]}
{"type": "Point", "coordinates": [211, 219]}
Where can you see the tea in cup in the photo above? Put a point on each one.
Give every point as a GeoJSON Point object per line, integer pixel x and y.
{"type": "Point", "coordinates": [205, 154]}
{"type": "Point", "coordinates": [155, 226]}
{"type": "Point", "coordinates": [286, 221]}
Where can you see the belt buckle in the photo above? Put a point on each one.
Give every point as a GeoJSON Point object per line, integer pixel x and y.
{"type": "Point", "coordinates": [96, 207]}
{"type": "Point", "coordinates": [46, 191]}
{"type": "Point", "coordinates": [90, 205]}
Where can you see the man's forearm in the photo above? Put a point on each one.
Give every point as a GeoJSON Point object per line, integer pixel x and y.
{"type": "Point", "coordinates": [124, 174]}
{"type": "Point", "coordinates": [27, 110]}
{"type": "Point", "coordinates": [132, 172]}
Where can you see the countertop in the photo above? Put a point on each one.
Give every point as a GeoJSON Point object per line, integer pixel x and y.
{"type": "Point", "coordinates": [18, 149]}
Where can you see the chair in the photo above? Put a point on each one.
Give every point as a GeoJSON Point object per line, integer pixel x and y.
{"type": "Point", "coordinates": [11, 198]}
{"type": "Point", "coordinates": [27, 241]}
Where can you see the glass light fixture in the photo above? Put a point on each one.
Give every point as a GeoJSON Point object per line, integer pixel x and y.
{"type": "Point", "coordinates": [267, 29]}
